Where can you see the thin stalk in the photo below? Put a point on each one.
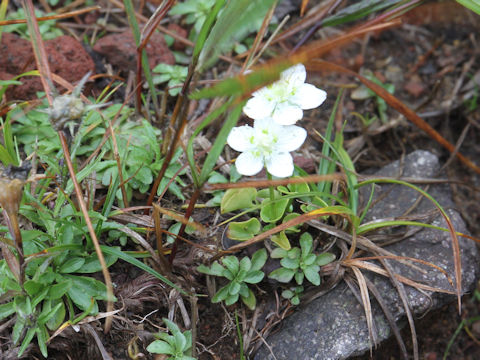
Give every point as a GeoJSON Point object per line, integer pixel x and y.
{"type": "Point", "coordinates": [271, 190]}
{"type": "Point", "coordinates": [91, 230]}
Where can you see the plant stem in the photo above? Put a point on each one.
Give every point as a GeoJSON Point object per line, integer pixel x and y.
{"type": "Point", "coordinates": [270, 188]}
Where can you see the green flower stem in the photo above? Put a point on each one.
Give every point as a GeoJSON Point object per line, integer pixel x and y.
{"type": "Point", "coordinates": [270, 188]}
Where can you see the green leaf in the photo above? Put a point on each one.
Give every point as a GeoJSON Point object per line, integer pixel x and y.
{"type": "Point", "coordinates": [254, 277]}
{"type": "Point", "coordinates": [282, 275]}
{"type": "Point", "coordinates": [92, 264]}
{"type": "Point", "coordinates": [311, 273]}
{"type": "Point", "coordinates": [473, 5]}
{"type": "Point", "coordinates": [309, 259]}
{"type": "Point", "coordinates": [221, 294]}
{"type": "Point", "coordinates": [231, 299]}
{"type": "Point", "coordinates": [160, 347]}
{"type": "Point", "coordinates": [250, 300]}
{"type": "Point", "coordinates": [232, 264]}
{"type": "Point", "coordinates": [289, 263]}
{"type": "Point", "coordinates": [272, 211]}
{"type": "Point", "coordinates": [278, 253]}
{"type": "Point", "coordinates": [42, 336]}
{"type": "Point", "coordinates": [243, 230]}
{"type": "Point", "coordinates": [306, 243]}
{"type": "Point", "coordinates": [258, 259]}
{"type": "Point", "coordinates": [235, 199]}
{"type": "Point", "coordinates": [245, 264]}
{"type": "Point", "coordinates": [293, 229]}
{"type": "Point", "coordinates": [324, 259]}
{"type": "Point", "coordinates": [216, 269]}
{"type": "Point", "coordinates": [32, 287]}
{"type": "Point", "coordinates": [27, 340]}
{"type": "Point", "coordinates": [281, 240]}
{"type": "Point", "coordinates": [6, 310]}
{"type": "Point", "coordinates": [299, 276]}
{"type": "Point", "coordinates": [57, 319]}
{"type": "Point", "coordinates": [71, 265]}
{"type": "Point", "coordinates": [233, 288]}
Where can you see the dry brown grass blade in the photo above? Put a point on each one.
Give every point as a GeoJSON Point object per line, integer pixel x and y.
{"type": "Point", "coordinates": [91, 230]}
{"type": "Point", "coordinates": [321, 65]}
{"type": "Point", "coordinates": [406, 305]}
{"type": "Point", "coordinates": [390, 318]}
{"type": "Point", "coordinates": [303, 7]}
{"type": "Point", "coordinates": [41, 57]}
{"type": "Point", "coordinates": [158, 234]}
{"type": "Point", "coordinates": [266, 183]}
{"type": "Point", "coordinates": [181, 219]}
{"type": "Point", "coordinates": [374, 268]}
{"type": "Point", "coordinates": [52, 17]}
{"type": "Point", "coordinates": [367, 306]}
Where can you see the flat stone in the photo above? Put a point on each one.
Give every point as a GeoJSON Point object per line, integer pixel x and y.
{"type": "Point", "coordinates": [334, 326]}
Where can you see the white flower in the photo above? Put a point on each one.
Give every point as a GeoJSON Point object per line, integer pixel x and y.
{"type": "Point", "coordinates": [267, 143]}
{"type": "Point", "coordinates": [284, 99]}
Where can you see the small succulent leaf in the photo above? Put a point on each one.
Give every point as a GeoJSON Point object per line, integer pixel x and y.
{"type": "Point", "coordinates": [306, 243]}
{"type": "Point", "coordinates": [228, 274]}
{"type": "Point", "coordinates": [232, 264]}
{"type": "Point", "coordinates": [292, 264]}
{"type": "Point", "coordinates": [294, 253]}
{"type": "Point", "coordinates": [278, 253]}
{"type": "Point", "coordinates": [243, 230]}
{"type": "Point", "coordinates": [281, 240]}
{"type": "Point", "coordinates": [160, 347]}
{"type": "Point", "coordinates": [254, 277]}
{"type": "Point", "coordinates": [293, 229]}
{"type": "Point", "coordinates": [282, 275]}
{"type": "Point", "coordinates": [231, 299]}
{"type": "Point", "coordinates": [188, 336]}
{"type": "Point", "coordinates": [324, 259]}
{"type": "Point", "coordinates": [180, 340]}
{"type": "Point", "coordinates": [309, 259]}
{"type": "Point", "coordinates": [245, 264]}
{"type": "Point", "coordinates": [171, 326]}
{"type": "Point", "coordinates": [233, 288]}
{"type": "Point", "coordinates": [221, 295]}
{"type": "Point", "coordinates": [295, 300]}
{"type": "Point", "coordinates": [250, 300]}
{"type": "Point", "coordinates": [235, 199]}
{"type": "Point", "coordinates": [216, 269]}
{"type": "Point", "coordinates": [299, 276]}
{"type": "Point", "coordinates": [243, 290]}
{"type": "Point", "coordinates": [6, 310]}
{"type": "Point", "coordinates": [287, 294]}
{"type": "Point", "coordinates": [311, 273]}
{"type": "Point", "coordinates": [258, 259]}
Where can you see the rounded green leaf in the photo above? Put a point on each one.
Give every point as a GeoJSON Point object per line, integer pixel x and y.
{"type": "Point", "coordinates": [232, 299]}
{"type": "Point", "coordinates": [160, 347]}
{"type": "Point", "coordinates": [254, 277]}
{"type": "Point", "coordinates": [272, 211]}
{"type": "Point", "coordinates": [235, 199]}
{"type": "Point", "coordinates": [233, 288]}
{"type": "Point", "coordinates": [250, 300]}
{"type": "Point", "coordinates": [72, 265]}
{"type": "Point", "coordinates": [324, 259]}
{"type": "Point", "coordinates": [232, 264]}
{"type": "Point", "coordinates": [306, 243]}
{"type": "Point", "coordinates": [311, 273]}
{"type": "Point", "coordinates": [243, 230]}
{"type": "Point", "coordinates": [278, 253]}
{"type": "Point", "coordinates": [282, 275]}
{"type": "Point", "coordinates": [221, 295]}
{"type": "Point", "coordinates": [258, 259]}
{"type": "Point", "coordinates": [290, 263]}
{"type": "Point", "coordinates": [299, 276]}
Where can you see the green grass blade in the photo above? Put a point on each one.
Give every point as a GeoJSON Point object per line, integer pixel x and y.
{"type": "Point", "coordinates": [211, 117]}
{"type": "Point", "coordinates": [235, 21]}
{"type": "Point", "coordinates": [207, 25]}
{"type": "Point", "coordinates": [219, 143]}
{"type": "Point", "coordinates": [327, 166]}
{"type": "Point", "coordinates": [358, 10]}
{"type": "Point", "coordinates": [244, 84]}
{"type": "Point", "coordinates": [132, 21]}
{"type": "Point", "coordinates": [140, 265]}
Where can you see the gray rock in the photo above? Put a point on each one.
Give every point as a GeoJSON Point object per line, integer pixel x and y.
{"type": "Point", "coordinates": [334, 326]}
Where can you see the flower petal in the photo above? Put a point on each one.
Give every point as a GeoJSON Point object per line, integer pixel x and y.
{"type": "Point", "coordinates": [308, 96]}
{"type": "Point", "coordinates": [240, 137]}
{"type": "Point", "coordinates": [291, 138]}
{"type": "Point", "coordinates": [258, 107]}
{"type": "Point", "coordinates": [286, 113]}
{"type": "Point", "coordinates": [294, 75]}
{"type": "Point", "coordinates": [280, 165]}
{"type": "Point", "coordinates": [248, 164]}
